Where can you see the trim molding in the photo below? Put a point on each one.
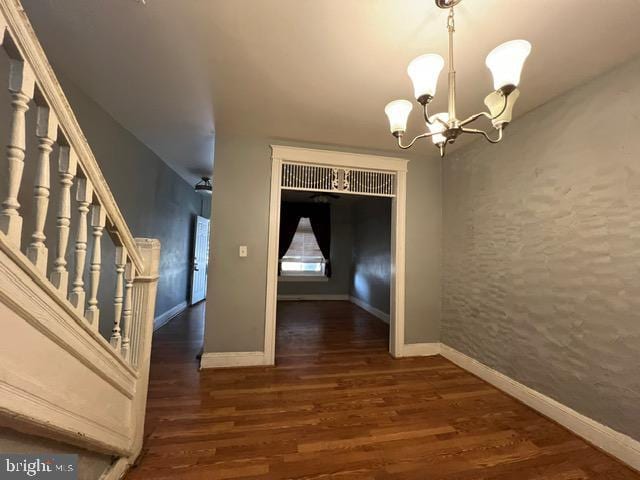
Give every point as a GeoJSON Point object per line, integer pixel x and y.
{"type": "Point", "coordinates": [339, 159]}
{"type": "Point", "coordinates": [420, 350]}
{"type": "Point", "coordinates": [32, 297]}
{"type": "Point", "coordinates": [314, 296]}
{"type": "Point", "coordinates": [280, 154]}
{"type": "Point", "coordinates": [164, 318]}
{"type": "Point", "coordinates": [617, 444]}
{"type": "Point", "coordinates": [233, 359]}
{"type": "Point", "coordinates": [385, 317]}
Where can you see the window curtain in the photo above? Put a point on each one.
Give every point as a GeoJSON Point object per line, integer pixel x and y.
{"type": "Point", "coordinates": [289, 219]}
{"type": "Point", "coordinates": [319, 215]}
{"type": "Point", "coordinates": [320, 220]}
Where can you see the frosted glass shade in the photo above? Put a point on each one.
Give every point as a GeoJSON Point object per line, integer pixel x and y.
{"type": "Point", "coordinates": [506, 62]}
{"type": "Point", "coordinates": [437, 127]}
{"type": "Point", "coordinates": [424, 72]}
{"type": "Point", "coordinates": [398, 113]}
{"type": "Point", "coordinates": [502, 113]}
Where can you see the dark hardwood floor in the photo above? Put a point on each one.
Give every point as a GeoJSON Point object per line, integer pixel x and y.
{"type": "Point", "coordinates": [337, 406]}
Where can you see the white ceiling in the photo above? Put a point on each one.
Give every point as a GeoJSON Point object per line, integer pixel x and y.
{"type": "Point", "coordinates": [314, 70]}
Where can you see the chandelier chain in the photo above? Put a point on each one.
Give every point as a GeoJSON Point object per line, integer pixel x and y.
{"type": "Point", "coordinates": [505, 63]}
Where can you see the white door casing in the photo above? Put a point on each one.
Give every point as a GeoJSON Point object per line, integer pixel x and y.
{"type": "Point", "coordinates": [385, 167]}
{"type": "Point", "coordinates": [200, 259]}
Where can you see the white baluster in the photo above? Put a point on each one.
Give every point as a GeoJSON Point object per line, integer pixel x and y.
{"type": "Point", "coordinates": [47, 132]}
{"type": "Point", "coordinates": [121, 260]}
{"type": "Point", "coordinates": [129, 277]}
{"type": "Point", "coordinates": [98, 221]}
{"type": "Point", "coordinates": [84, 196]}
{"type": "Point", "coordinates": [21, 86]}
{"type": "Point", "coordinates": [67, 167]}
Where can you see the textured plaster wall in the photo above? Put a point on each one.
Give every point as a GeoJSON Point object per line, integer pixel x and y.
{"type": "Point", "coordinates": [371, 268]}
{"type": "Point", "coordinates": [542, 250]}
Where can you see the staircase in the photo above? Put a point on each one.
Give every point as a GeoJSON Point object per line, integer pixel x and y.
{"type": "Point", "coordinates": [60, 377]}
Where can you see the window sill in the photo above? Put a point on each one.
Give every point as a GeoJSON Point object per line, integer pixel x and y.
{"type": "Point", "coordinates": [303, 278]}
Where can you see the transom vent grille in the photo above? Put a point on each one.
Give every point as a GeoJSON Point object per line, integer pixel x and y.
{"type": "Point", "coordinates": [297, 176]}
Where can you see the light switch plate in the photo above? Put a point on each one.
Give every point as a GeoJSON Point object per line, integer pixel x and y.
{"type": "Point", "coordinates": [243, 251]}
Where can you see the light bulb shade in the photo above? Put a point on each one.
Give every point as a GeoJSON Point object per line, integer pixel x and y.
{"type": "Point", "coordinates": [501, 107]}
{"type": "Point", "coordinates": [506, 62]}
{"type": "Point", "coordinates": [424, 72]}
{"type": "Point", "coordinates": [398, 114]}
{"type": "Point", "coordinates": [437, 127]}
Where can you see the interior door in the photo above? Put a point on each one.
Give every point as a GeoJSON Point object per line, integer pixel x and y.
{"type": "Point", "coordinates": [200, 260]}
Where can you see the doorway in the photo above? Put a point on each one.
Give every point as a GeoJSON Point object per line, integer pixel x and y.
{"type": "Point", "coordinates": [335, 298]}
{"type": "Point", "coordinates": [200, 264]}
{"type": "Point", "coordinates": [343, 173]}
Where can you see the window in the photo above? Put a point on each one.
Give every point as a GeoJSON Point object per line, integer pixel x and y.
{"type": "Point", "coordinates": [304, 257]}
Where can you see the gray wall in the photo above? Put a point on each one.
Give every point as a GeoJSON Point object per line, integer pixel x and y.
{"type": "Point", "coordinates": [90, 465]}
{"type": "Point", "coordinates": [371, 262]}
{"type": "Point", "coordinates": [155, 201]}
{"type": "Point", "coordinates": [341, 240]}
{"type": "Point", "coordinates": [235, 315]}
{"type": "Point", "coordinates": [542, 250]}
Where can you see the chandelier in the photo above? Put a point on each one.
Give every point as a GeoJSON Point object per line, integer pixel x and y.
{"type": "Point", "coordinates": [505, 63]}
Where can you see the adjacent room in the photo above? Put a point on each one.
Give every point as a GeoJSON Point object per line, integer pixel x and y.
{"type": "Point", "coordinates": [333, 299]}
{"type": "Point", "coordinates": [320, 239]}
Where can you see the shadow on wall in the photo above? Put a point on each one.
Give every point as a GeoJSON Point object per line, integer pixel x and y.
{"type": "Point", "coordinates": [371, 261]}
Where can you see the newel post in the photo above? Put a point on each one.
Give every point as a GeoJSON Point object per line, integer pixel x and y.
{"type": "Point", "coordinates": [145, 286]}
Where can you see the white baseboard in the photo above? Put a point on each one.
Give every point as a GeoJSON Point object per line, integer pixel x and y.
{"type": "Point", "coordinates": [420, 349]}
{"type": "Point", "coordinates": [621, 446]}
{"type": "Point", "coordinates": [385, 317]}
{"type": "Point", "coordinates": [164, 318]}
{"type": "Point", "coordinates": [316, 297]}
{"type": "Point", "coordinates": [233, 359]}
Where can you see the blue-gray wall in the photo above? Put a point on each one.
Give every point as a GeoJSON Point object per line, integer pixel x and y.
{"type": "Point", "coordinates": [155, 201]}
{"type": "Point", "coordinates": [542, 250]}
{"type": "Point", "coordinates": [371, 263]}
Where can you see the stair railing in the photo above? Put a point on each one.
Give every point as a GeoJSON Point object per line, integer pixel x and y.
{"type": "Point", "coordinates": [84, 196]}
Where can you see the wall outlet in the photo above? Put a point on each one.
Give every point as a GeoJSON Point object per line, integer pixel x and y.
{"type": "Point", "coordinates": [243, 251]}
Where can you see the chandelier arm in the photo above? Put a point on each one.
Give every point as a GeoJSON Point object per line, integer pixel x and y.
{"type": "Point", "coordinates": [425, 112]}
{"type": "Point", "coordinates": [426, 115]}
{"type": "Point", "coordinates": [438, 119]}
{"type": "Point", "coordinates": [484, 134]}
{"type": "Point", "coordinates": [473, 118]}
{"type": "Point", "coordinates": [424, 135]}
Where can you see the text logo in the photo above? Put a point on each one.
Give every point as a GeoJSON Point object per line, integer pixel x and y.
{"type": "Point", "coordinates": [43, 466]}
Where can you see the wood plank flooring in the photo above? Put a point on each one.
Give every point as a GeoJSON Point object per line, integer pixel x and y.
{"type": "Point", "coordinates": [337, 406]}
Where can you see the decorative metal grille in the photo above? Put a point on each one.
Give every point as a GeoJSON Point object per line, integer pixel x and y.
{"type": "Point", "coordinates": [296, 176]}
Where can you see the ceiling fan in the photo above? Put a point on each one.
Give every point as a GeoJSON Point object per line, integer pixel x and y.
{"type": "Point", "coordinates": [323, 197]}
